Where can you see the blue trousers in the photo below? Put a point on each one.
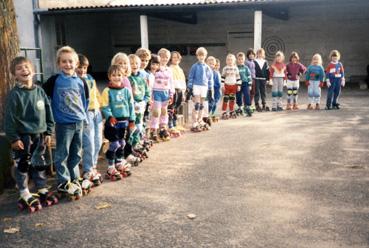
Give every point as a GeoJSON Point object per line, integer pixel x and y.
{"type": "Point", "coordinates": [334, 92]}
{"type": "Point", "coordinates": [243, 96]}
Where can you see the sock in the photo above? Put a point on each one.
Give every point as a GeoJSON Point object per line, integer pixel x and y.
{"type": "Point", "coordinates": [25, 194]}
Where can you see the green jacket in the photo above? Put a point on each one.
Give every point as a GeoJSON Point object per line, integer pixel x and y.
{"type": "Point", "coordinates": [140, 89]}
{"type": "Point", "coordinates": [28, 111]}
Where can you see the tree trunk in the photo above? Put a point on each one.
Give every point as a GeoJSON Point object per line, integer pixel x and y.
{"type": "Point", "coordinates": [9, 48]}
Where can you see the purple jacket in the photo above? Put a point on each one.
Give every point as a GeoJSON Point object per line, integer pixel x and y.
{"type": "Point", "coordinates": [251, 65]}
{"type": "Point", "coordinates": [294, 71]}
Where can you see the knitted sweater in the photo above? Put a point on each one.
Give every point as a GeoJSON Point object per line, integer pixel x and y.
{"type": "Point", "coordinates": [231, 75]}
{"type": "Point", "coordinates": [261, 69]}
{"type": "Point", "coordinates": [335, 71]}
{"type": "Point", "coordinates": [315, 73]}
{"type": "Point", "coordinates": [200, 74]}
{"type": "Point", "coordinates": [295, 70]}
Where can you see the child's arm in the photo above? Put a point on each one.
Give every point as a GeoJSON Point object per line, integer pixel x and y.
{"type": "Point", "coordinates": [147, 93]}
{"type": "Point", "coordinates": [132, 115]}
{"type": "Point", "coordinates": [210, 78]}
{"type": "Point", "coordinates": [343, 79]}
{"type": "Point", "coordinates": [267, 71]}
{"type": "Point", "coordinates": [10, 123]}
{"type": "Point", "coordinates": [106, 110]}
{"type": "Point", "coordinates": [191, 76]}
{"type": "Point", "coordinates": [271, 71]}
{"type": "Point", "coordinates": [321, 76]}
{"type": "Point", "coordinates": [248, 73]}
{"type": "Point", "coordinates": [49, 116]}
{"type": "Point", "coordinates": [86, 94]}
{"type": "Point", "coordinates": [307, 76]}
{"type": "Point", "coordinates": [49, 86]}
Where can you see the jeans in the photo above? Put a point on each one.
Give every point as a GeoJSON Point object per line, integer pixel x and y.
{"type": "Point", "coordinates": [243, 96]}
{"type": "Point", "coordinates": [260, 88]}
{"type": "Point", "coordinates": [92, 140]}
{"type": "Point", "coordinates": [174, 107]}
{"type": "Point", "coordinates": [68, 151]}
{"type": "Point", "coordinates": [314, 92]}
{"type": "Point", "coordinates": [334, 91]}
{"type": "Point", "coordinates": [277, 92]}
{"type": "Point", "coordinates": [23, 159]}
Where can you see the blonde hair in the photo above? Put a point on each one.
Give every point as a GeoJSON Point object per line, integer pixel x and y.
{"type": "Point", "coordinates": [177, 53]}
{"type": "Point", "coordinates": [279, 54]}
{"type": "Point", "coordinates": [133, 57]}
{"type": "Point", "coordinates": [211, 58]}
{"type": "Point", "coordinates": [19, 60]}
{"type": "Point", "coordinates": [66, 49]}
{"type": "Point", "coordinates": [241, 54]}
{"type": "Point", "coordinates": [164, 51]}
{"type": "Point", "coordinates": [201, 51]}
{"type": "Point", "coordinates": [318, 57]}
{"type": "Point", "coordinates": [143, 53]}
{"type": "Point", "coordinates": [231, 56]}
{"type": "Point", "coordinates": [123, 57]}
{"type": "Point", "coordinates": [260, 52]}
{"type": "Point", "coordinates": [335, 53]}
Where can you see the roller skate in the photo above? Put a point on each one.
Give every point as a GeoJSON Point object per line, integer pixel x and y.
{"type": "Point", "coordinates": [295, 106]}
{"type": "Point", "coordinates": [239, 112]}
{"type": "Point", "coordinates": [266, 108]}
{"type": "Point", "coordinates": [47, 198]}
{"type": "Point", "coordinates": [289, 107]}
{"type": "Point", "coordinates": [174, 133]}
{"type": "Point", "coordinates": [32, 203]}
{"type": "Point", "coordinates": [123, 168]}
{"type": "Point", "coordinates": [336, 106]}
{"type": "Point", "coordinates": [164, 135]}
{"type": "Point", "coordinates": [252, 108]}
{"type": "Point", "coordinates": [328, 107]}
{"type": "Point", "coordinates": [72, 190]}
{"type": "Point", "coordinates": [225, 116]}
{"type": "Point", "coordinates": [310, 107]}
{"type": "Point", "coordinates": [86, 185]}
{"type": "Point", "coordinates": [233, 115]}
{"type": "Point", "coordinates": [279, 108]}
{"type": "Point", "coordinates": [113, 174]}
{"type": "Point", "coordinates": [207, 120]}
{"type": "Point", "coordinates": [154, 137]}
{"type": "Point", "coordinates": [317, 107]}
{"type": "Point", "coordinates": [214, 118]}
{"type": "Point", "coordinates": [96, 177]}
{"type": "Point", "coordinates": [258, 109]}
{"type": "Point", "coordinates": [248, 111]}
{"type": "Point", "coordinates": [135, 158]}
{"type": "Point", "coordinates": [274, 109]}
{"type": "Point", "coordinates": [204, 126]}
{"type": "Point", "coordinates": [196, 128]}
{"type": "Point", "coordinates": [142, 150]}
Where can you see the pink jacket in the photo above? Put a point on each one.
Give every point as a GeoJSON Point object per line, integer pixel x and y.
{"type": "Point", "coordinates": [164, 80]}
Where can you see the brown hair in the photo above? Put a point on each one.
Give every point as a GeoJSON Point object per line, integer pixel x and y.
{"type": "Point", "coordinates": [19, 60]}
{"type": "Point", "coordinates": [294, 55]}
{"type": "Point", "coordinates": [143, 53]}
{"type": "Point", "coordinates": [335, 53]}
{"type": "Point", "coordinates": [177, 53]}
{"type": "Point", "coordinates": [83, 60]}
{"type": "Point", "coordinates": [250, 51]}
{"type": "Point", "coordinates": [114, 69]}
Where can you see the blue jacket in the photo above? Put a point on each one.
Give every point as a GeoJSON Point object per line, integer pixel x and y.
{"type": "Point", "coordinates": [217, 85]}
{"type": "Point", "coordinates": [69, 98]}
{"type": "Point", "coordinates": [118, 102]}
{"type": "Point", "coordinates": [200, 74]}
{"type": "Point", "coordinates": [315, 73]}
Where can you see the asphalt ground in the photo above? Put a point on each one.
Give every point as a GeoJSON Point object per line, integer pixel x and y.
{"type": "Point", "coordinates": [285, 179]}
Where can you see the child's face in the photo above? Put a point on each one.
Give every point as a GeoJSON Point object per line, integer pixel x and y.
{"type": "Point", "coordinates": [201, 57]}
{"type": "Point", "coordinates": [251, 56]}
{"type": "Point", "coordinates": [144, 62]}
{"type": "Point", "coordinates": [229, 61]}
{"type": "Point", "coordinates": [279, 59]}
{"type": "Point", "coordinates": [123, 63]}
{"type": "Point", "coordinates": [211, 63]}
{"type": "Point", "coordinates": [217, 66]}
{"type": "Point", "coordinates": [24, 73]}
{"type": "Point", "coordinates": [175, 59]}
{"type": "Point", "coordinates": [116, 78]}
{"type": "Point", "coordinates": [334, 59]}
{"type": "Point", "coordinates": [240, 60]}
{"type": "Point", "coordinates": [154, 67]}
{"type": "Point", "coordinates": [260, 55]}
{"type": "Point", "coordinates": [82, 70]}
{"type": "Point", "coordinates": [68, 63]}
{"type": "Point", "coordinates": [315, 61]}
{"type": "Point", "coordinates": [294, 60]}
{"type": "Point", "coordinates": [164, 59]}
{"type": "Point", "coordinates": [135, 65]}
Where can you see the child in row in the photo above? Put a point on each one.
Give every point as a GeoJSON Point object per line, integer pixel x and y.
{"type": "Point", "coordinates": [212, 63]}
{"type": "Point", "coordinates": [314, 80]}
{"type": "Point", "coordinates": [261, 78]}
{"type": "Point", "coordinates": [29, 124]}
{"type": "Point", "coordinates": [231, 84]}
{"type": "Point", "coordinates": [250, 63]}
{"type": "Point", "coordinates": [162, 95]}
{"type": "Point", "coordinates": [294, 71]}
{"type": "Point", "coordinates": [278, 76]}
{"type": "Point", "coordinates": [92, 131]}
{"type": "Point", "coordinates": [179, 82]}
{"type": "Point", "coordinates": [200, 84]}
{"type": "Point", "coordinates": [243, 96]}
{"type": "Point", "coordinates": [335, 79]}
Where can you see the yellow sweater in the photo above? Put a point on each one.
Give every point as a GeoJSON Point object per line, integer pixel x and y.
{"type": "Point", "coordinates": [95, 97]}
{"type": "Point", "coordinates": [179, 78]}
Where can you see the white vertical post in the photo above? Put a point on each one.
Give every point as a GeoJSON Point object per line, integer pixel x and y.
{"type": "Point", "coordinates": [144, 32]}
{"type": "Point", "coordinates": [258, 23]}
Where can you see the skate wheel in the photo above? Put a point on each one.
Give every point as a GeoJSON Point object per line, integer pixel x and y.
{"type": "Point", "coordinates": [32, 209]}
{"type": "Point", "coordinates": [55, 201]}
{"type": "Point", "coordinates": [20, 206]}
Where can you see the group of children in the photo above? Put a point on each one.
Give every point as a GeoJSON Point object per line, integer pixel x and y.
{"type": "Point", "coordinates": [138, 107]}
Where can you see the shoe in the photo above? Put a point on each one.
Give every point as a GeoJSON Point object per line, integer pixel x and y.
{"type": "Point", "coordinates": [279, 109]}
{"type": "Point", "coordinates": [295, 106]}
{"type": "Point", "coordinates": [336, 106]}
{"type": "Point", "coordinates": [317, 107]}
{"type": "Point", "coordinates": [258, 109]}
{"type": "Point", "coordinates": [274, 109]}
{"type": "Point", "coordinates": [310, 107]}
{"type": "Point", "coordinates": [328, 107]}
{"type": "Point", "coordinates": [288, 106]}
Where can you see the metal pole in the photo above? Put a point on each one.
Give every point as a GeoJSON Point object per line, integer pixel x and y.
{"type": "Point", "coordinates": [258, 22]}
{"type": "Point", "coordinates": [144, 32]}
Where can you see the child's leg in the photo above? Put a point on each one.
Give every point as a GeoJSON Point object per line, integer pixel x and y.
{"type": "Point", "coordinates": [295, 89]}
{"type": "Point", "coordinates": [252, 92]}
{"type": "Point", "coordinates": [337, 91]}
{"type": "Point", "coordinates": [75, 152]}
{"type": "Point", "coordinates": [164, 114]}
{"type": "Point", "coordinates": [275, 93]}
{"type": "Point", "coordinates": [232, 97]}
{"type": "Point", "coordinates": [262, 89]}
{"type": "Point", "coordinates": [98, 124]}
{"type": "Point", "coordinates": [22, 166]}
{"type": "Point", "coordinates": [38, 149]}
{"type": "Point", "coordinates": [239, 96]}
{"type": "Point", "coordinates": [311, 92]}
{"type": "Point", "coordinates": [317, 92]}
{"type": "Point", "coordinates": [246, 94]}
{"type": "Point", "coordinates": [88, 144]}
{"type": "Point", "coordinates": [280, 92]}
{"type": "Point", "coordinates": [196, 109]}
{"type": "Point", "coordinates": [330, 92]}
{"type": "Point", "coordinates": [258, 84]}
{"type": "Point", "coordinates": [290, 91]}
{"type": "Point", "coordinates": [156, 111]}
{"type": "Point", "coordinates": [64, 135]}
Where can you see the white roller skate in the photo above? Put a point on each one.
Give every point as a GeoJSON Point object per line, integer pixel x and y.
{"type": "Point", "coordinates": [123, 168]}
{"type": "Point", "coordinates": [113, 174]}
{"type": "Point", "coordinates": [32, 203]}
{"type": "Point", "coordinates": [72, 190]}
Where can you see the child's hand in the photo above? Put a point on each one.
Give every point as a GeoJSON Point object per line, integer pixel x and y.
{"type": "Point", "coordinates": [17, 145]}
{"type": "Point", "coordinates": [343, 82]}
{"type": "Point", "coordinates": [328, 83]}
{"type": "Point", "coordinates": [170, 100]}
{"type": "Point", "coordinates": [321, 85]}
{"type": "Point", "coordinates": [284, 83]}
{"type": "Point", "coordinates": [270, 82]}
{"type": "Point", "coordinates": [307, 82]}
{"type": "Point", "coordinates": [112, 120]}
{"type": "Point", "coordinates": [47, 140]}
{"type": "Point", "coordinates": [238, 88]}
{"type": "Point", "coordinates": [131, 125]}
{"type": "Point", "coordinates": [250, 88]}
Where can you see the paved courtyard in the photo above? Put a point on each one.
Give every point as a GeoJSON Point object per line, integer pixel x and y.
{"type": "Point", "coordinates": [286, 179]}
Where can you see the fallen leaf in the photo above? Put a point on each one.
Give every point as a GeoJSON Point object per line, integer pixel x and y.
{"type": "Point", "coordinates": [191, 216]}
{"type": "Point", "coordinates": [102, 205]}
{"type": "Point", "coordinates": [39, 224]}
{"type": "Point", "coordinates": [11, 230]}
